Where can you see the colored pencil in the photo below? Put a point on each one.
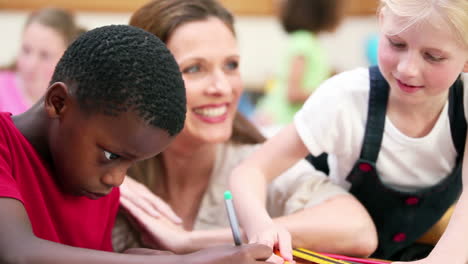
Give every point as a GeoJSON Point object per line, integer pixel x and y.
{"type": "Point", "coordinates": [302, 253]}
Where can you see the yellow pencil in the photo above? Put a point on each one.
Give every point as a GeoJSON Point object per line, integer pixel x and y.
{"type": "Point", "coordinates": [316, 257]}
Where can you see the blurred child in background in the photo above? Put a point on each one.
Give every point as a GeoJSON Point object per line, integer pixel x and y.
{"type": "Point", "coordinates": [46, 35]}
{"type": "Point", "coordinates": [306, 64]}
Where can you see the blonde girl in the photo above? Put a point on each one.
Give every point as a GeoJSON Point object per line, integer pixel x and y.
{"type": "Point", "coordinates": [395, 134]}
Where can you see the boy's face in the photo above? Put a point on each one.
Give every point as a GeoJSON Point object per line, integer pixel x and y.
{"type": "Point", "coordinates": [91, 153]}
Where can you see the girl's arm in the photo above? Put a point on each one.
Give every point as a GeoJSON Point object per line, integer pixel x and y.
{"type": "Point", "coordinates": [248, 183]}
{"type": "Point", "coordinates": [321, 228]}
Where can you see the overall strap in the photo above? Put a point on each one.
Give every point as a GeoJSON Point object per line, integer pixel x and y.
{"type": "Point", "coordinates": [457, 117]}
{"type": "Point", "coordinates": [378, 98]}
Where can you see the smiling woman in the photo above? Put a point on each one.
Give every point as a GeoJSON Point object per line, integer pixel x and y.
{"type": "Point", "coordinates": [178, 202]}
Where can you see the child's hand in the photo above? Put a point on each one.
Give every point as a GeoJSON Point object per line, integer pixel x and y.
{"type": "Point", "coordinates": [275, 237]}
{"type": "Point", "coordinates": [135, 195]}
{"type": "Point", "coordinates": [246, 254]}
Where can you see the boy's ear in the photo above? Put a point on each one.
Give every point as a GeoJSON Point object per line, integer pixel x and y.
{"type": "Point", "coordinates": [57, 100]}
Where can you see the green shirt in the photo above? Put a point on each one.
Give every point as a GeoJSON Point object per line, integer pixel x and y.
{"type": "Point", "coordinates": [305, 44]}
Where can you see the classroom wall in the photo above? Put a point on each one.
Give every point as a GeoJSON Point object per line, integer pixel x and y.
{"type": "Point", "coordinates": [261, 41]}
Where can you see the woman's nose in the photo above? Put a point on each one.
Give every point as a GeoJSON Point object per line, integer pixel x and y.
{"type": "Point", "coordinates": [220, 84]}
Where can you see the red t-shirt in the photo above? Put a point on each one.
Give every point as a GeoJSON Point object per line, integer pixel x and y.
{"type": "Point", "coordinates": [55, 216]}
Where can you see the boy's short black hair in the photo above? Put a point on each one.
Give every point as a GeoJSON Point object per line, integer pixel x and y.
{"type": "Point", "coordinates": [119, 68]}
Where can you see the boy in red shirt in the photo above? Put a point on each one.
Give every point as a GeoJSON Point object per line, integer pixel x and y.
{"type": "Point", "coordinates": [116, 97]}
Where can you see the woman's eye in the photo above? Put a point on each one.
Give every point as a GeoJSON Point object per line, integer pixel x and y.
{"type": "Point", "coordinates": [233, 65]}
{"type": "Point", "coordinates": [192, 69]}
{"type": "Point", "coordinates": [110, 155]}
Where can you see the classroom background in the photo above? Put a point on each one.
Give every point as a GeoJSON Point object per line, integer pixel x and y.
{"type": "Point", "coordinates": [261, 38]}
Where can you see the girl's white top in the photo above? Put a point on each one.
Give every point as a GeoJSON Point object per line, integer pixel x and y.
{"type": "Point", "coordinates": [333, 120]}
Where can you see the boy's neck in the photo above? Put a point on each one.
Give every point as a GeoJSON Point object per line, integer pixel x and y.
{"type": "Point", "coordinates": [33, 124]}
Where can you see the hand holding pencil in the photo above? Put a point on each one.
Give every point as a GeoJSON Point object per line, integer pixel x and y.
{"type": "Point", "coordinates": [269, 237]}
{"type": "Point", "coordinates": [276, 237]}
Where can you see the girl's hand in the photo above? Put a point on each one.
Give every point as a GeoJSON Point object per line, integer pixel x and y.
{"type": "Point", "coordinates": [134, 194]}
{"type": "Point", "coordinates": [277, 238]}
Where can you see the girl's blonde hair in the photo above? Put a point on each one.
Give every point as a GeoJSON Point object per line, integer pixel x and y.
{"type": "Point", "coordinates": [454, 12]}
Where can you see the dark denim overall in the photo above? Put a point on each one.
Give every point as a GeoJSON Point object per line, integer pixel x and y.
{"type": "Point", "coordinates": [403, 217]}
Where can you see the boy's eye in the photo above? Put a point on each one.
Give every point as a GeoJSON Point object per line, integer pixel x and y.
{"type": "Point", "coordinates": [110, 155]}
{"type": "Point", "coordinates": [192, 69]}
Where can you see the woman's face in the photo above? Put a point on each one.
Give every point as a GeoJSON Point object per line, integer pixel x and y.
{"type": "Point", "coordinates": [41, 49]}
{"type": "Point", "coordinates": [208, 57]}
